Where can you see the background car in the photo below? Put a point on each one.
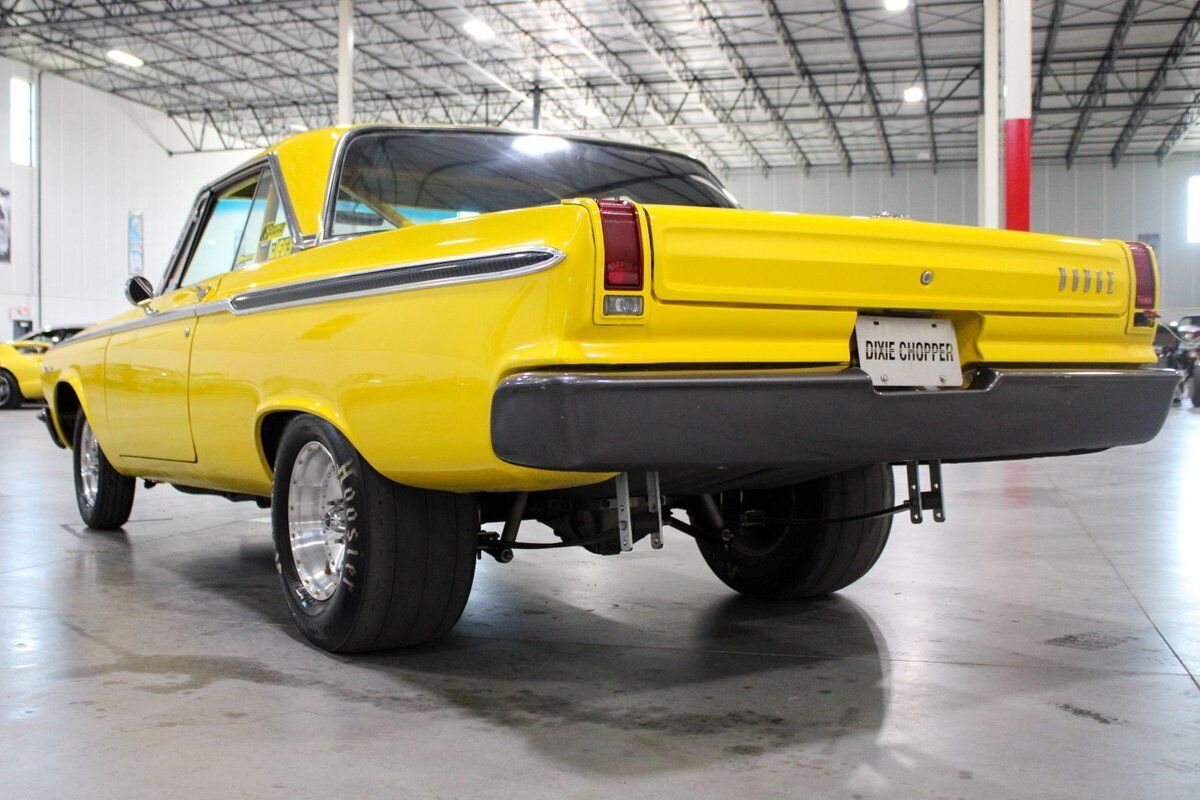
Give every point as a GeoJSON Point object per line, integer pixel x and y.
{"type": "Point", "coordinates": [21, 364]}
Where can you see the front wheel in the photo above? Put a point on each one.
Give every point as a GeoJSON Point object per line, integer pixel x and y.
{"type": "Point", "coordinates": [366, 564]}
{"type": "Point", "coordinates": [10, 390]}
{"type": "Point", "coordinates": [773, 555]}
{"type": "Point", "coordinates": [104, 496]}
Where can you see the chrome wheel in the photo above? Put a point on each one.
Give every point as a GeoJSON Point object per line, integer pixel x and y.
{"type": "Point", "coordinates": [317, 521]}
{"type": "Point", "coordinates": [5, 392]}
{"type": "Point", "coordinates": [89, 465]}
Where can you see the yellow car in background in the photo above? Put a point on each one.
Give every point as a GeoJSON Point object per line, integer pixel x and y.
{"type": "Point", "coordinates": [21, 365]}
{"type": "Point", "coordinates": [393, 335]}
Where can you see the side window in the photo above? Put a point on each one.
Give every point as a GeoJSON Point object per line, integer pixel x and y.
{"type": "Point", "coordinates": [266, 235]}
{"type": "Point", "coordinates": [352, 216]}
{"type": "Point", "coordinates": [222, 233]}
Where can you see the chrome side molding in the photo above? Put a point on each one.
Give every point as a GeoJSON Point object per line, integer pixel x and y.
{"type": "Point", "coordinates": [386, 280]}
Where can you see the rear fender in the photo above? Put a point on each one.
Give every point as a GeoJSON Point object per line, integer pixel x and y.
{"type": "Point", "coordinates": [67, 381]}
{"type": "Point", "coordinates": [292, 404]}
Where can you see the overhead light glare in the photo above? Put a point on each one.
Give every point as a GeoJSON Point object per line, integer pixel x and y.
{"type": "Point", "coordinates": [479, 30]}
{"type": "Point", "coordinates": [124, 59]}
{"type": "Point", "coordinates": [538, 144]}
{"type": "Point", "coordinates": [914, 94]}
{"type": "Point", "coordinates": [895, 5]}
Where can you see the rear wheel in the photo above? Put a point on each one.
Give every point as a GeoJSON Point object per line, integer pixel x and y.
{"type": "Point", "coordinates": [10, 390]}
{"type": "Point", "coordinates": [366, 564]}
{"type": "Point", "coordinates": [771, 556]}
{"type": "Point", "coordinates": [104, 496]}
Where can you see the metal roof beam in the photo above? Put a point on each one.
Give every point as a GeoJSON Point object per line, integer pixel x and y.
{"type": "Point", "coordinates": [1056, 13]}
{"type": "Point", "coordinates": [919, 44]}
{"type": "Point", "coordinates": [1183, 42]}
{"type": "Point", "coordinates": [676, 66]}
{"type": "Point", "coordinates": [599, 53]}
{"type": "Point", "coordinates": [544, 65]}
{"type": "Point", "coordinates": [1179, 130]}
{"type": "Point", "coordinates": [737, 63]}
{"type": "Point", "coordinates": [74, 17]}
{"type": "Point", "coordinates": [870, 93]}
{"type": "Point", "coordinates": [783, 35]}
{"type": "Point", "coordinates": [1094, 93]}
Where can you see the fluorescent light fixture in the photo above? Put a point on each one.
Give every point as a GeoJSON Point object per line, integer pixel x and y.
{"type": "Point", "coordinates": [588, 110]}
{"type": "Point", "coordinates": [124, 59]}
{"type": "Point", "coordinates": [20, 125]}
{"type": "Point", "coordinates": [538, 144]}
{"type": "Point", "coordinates": [895, 5]}
{"type": "Point", "coordinates": [914, 94]}
{"type": "Point", "coordinates": [479, 30]}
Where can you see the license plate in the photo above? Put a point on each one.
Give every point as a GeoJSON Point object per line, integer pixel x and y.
{"type": "Point", "coordinates": [907, 351]}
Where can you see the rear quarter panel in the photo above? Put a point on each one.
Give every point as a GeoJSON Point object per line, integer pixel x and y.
{"type": "Point", "coordinates": [407, 376]}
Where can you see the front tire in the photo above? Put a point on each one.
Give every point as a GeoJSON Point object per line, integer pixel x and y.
{"type": "Point", "coordinates": [104, 496]}
{"type": "Point", "coordinates": [366, 564]}
{"type": "Point", "coordinates": [10, 390]}
{"type": "Point", "coordinates": [772, 558]}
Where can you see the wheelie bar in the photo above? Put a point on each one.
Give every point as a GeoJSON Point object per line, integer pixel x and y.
{"type": "Point", "coordinates": [932, 499]}
{"type": "Point", "coordinates": [625, 512]}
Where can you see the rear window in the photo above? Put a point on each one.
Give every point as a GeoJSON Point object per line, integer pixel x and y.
{"type": "Point", "coordinates": [393, 179]}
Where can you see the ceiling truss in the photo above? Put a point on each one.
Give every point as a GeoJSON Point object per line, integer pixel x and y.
{"type": "Point", "coordinates": [757, 84]}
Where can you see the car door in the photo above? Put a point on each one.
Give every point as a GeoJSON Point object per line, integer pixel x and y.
{"type": "Point", "coordinates": [146, 366]}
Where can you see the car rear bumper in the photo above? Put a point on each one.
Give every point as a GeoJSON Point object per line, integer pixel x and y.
{"type": "Point", "coordinates": [663, 420]}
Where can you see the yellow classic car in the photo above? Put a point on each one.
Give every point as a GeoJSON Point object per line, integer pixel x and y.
{"type": "Point", "coordinates": [394, 335]}
{"type": "Point", "coordinates": [21, 365]}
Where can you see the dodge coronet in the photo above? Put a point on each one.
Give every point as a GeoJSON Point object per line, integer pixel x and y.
{"type": "Point", "coordinates": [393, 336]}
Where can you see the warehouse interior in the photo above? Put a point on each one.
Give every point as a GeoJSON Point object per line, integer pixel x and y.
{"type": "Point", "coordinates": [1042, 642]}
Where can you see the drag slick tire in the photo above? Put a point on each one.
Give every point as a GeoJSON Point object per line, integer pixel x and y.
{"type": "Point", "coordinates": [366, 564]}
{"type": "Point", "coordinates": [10, 390]}
{"type": "Point", "coordinates": [104, 496]}
{"type": "Point", "coordinates": [772, 558]}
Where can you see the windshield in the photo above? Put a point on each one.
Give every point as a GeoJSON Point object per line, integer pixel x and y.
{"type": "Point", "coordinates": [392, 179]}
{"type": "Point", "coordinates": [51, 335]}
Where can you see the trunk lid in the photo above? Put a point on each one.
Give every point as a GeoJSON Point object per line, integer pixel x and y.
{"type": "Point", "coordinates": [759, 258]}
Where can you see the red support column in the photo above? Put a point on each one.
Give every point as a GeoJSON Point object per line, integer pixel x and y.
{"type": "Point", "coordinates": [1018, 112]}
{"type": "Point", "coordinates": [1018, 161]}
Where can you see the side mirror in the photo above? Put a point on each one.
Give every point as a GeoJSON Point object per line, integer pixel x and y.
{"type": "Point", "coordinates": [138, 290]}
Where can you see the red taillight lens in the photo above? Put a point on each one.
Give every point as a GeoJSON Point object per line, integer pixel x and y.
{"type": "Point", "coordinates": [1143, 275]}
{"type": "Point", "coordinates": [622, 244]}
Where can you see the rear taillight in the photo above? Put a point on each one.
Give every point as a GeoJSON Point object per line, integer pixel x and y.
{"type": "Point", "coordinates": [622, 245]}
{"type": "Point", "coordinates": [1144, 288]}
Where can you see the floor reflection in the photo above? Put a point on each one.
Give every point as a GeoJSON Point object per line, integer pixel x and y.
{"type": "Point", "coordinates": [755, 676]}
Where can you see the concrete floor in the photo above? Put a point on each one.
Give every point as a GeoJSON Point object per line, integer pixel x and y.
{"type": "Point", "coordinates": [1045, 642]}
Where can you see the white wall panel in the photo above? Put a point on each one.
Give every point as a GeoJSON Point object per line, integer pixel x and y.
{"type": "Point", "coordinates": [16, 277]}
{"type": "Point", "coordinates": [101, 158]}
{"type": "Point", "coordinates": [1091, 199]}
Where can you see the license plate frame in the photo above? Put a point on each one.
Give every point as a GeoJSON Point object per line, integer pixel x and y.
{"type": "Point", "coordinates": [908, 352]}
